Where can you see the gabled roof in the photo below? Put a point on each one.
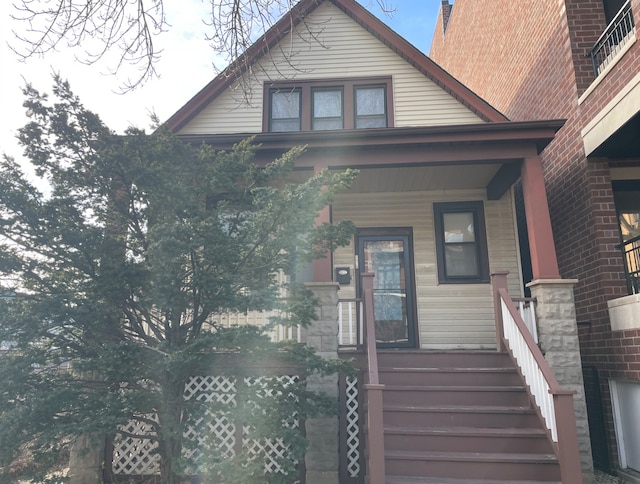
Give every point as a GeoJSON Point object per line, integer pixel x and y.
{"type": "Point", "coordinates": [365, 19]}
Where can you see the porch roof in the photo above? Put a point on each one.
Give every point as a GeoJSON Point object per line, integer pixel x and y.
{"type": "Point", "coordinates": [505, 144]}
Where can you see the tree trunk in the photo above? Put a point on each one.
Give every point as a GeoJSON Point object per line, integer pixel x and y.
{"type": "Point", "coordinates": [170, 418]}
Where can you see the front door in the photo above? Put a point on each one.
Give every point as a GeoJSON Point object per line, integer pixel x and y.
{"type": "Point", "coordinates": [387, 253]}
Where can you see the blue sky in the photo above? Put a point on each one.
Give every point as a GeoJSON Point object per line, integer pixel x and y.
{"type": "Point", "coordinates": [413, 19]}
{"type": "Point", "coordinates": [185, 51]}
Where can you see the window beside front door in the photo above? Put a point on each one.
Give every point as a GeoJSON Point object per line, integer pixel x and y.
{"type": "Point", "coordinates": [461, 242]}
{"type": "Point", "coordinates": [387, 253]}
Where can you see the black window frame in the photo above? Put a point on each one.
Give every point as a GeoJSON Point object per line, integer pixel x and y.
{"type": "Point", "coordinates": [476, 208]}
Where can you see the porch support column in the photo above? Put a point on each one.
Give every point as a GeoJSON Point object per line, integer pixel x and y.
{"type": "Point", "coordinates": [543, 252]}
{"type": "Point", "coordinates": [322, 459]}
{"type": "Point", "coordinates": [322, 267]}
{"type": "Point", "coordinates": [558, 339]}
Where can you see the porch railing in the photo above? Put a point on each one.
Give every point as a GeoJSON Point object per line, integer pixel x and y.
{"type": "Point", "coordinates": [631, 255]}
{"type": "Point", "coordinates": [554, 402]}
{"type": "Point", "coordinates": [351, 315]}
{"type": "Point", "coordinates": [350, 322]}
{"type": "Point", "coordinates": [615, 36]}
{"type": "Point", "coordinates": [527, 311]}
{"type": "Point", "coordinates": [373, 389]}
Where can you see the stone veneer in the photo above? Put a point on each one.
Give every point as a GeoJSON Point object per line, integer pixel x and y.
{"type": "Point", "coordinates": [86, 461]}
{"type": "Point", "coordinates": [322, 458]}
{"type": "Point", "coordinates": [558, 337]}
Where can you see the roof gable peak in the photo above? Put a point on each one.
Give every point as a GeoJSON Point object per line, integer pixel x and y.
{"type": "Point", "coordinates": [367, 21]}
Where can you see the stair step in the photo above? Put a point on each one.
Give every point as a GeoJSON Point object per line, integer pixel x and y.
{"type": "Point", "coordinates": [443, 359]}
{"type": "Point", "coordinates": [455, 395]}
{"type": "Point", "coordinates": [461, 416]}
{"type": "Point", "coordinates": [467, 439]}
{"type": "Point", "coordinates": [466, 431]}
{"type": "Point", "coordinates": [450, 376]}
{"type": "Point", "coordinates": [477, 465]}
{"type": "Point", "coordinates": [445, 480]}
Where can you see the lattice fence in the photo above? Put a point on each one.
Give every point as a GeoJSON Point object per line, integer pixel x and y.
{"type": "Point", "coordinates": [352, 428]}
{"type": "Point", "coordinates": [136, 456]}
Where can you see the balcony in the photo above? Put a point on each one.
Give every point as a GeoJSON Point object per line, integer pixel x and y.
{"type": "Point", "coordinates": [619, 31]}
{"type": "Point", "coordinates": [631, 255]}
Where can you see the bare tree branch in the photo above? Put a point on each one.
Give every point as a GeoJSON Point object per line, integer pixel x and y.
{"type": "Point", "coordinates": [125, 30]}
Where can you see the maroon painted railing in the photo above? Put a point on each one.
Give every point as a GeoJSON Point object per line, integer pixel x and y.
{"type": "Point", "coordinates": [554, 402]}
{"type": "Point", "coordinates": [373, 390]}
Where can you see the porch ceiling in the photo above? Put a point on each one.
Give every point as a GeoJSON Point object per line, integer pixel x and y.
{"type": "Point", "coordinates": [418, 178]}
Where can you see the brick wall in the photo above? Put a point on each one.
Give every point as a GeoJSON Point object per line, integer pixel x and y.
{"type": "Point", "coordinates": [531, 63]}
{"type": "Point", "coordinates": [586, 22]}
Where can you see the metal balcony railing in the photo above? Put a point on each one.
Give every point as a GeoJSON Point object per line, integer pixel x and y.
{"type": "Point", "coordinates": [631, 255]}
{"type": "Point", "coordinates": [615, 36]}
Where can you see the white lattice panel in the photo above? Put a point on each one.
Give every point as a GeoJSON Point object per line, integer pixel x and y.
{"type": "Point", "coordinates": [273, 450]}
{"type": "Point", "coordinates": [135, 456]}
{"type": "Point", "coordinates": [220, 428]}
{"type": "Point", "coordinates": [353, 428]}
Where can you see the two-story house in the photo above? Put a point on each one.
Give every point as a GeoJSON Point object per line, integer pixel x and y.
{"type": "Point", "coordinates": [578, 60]}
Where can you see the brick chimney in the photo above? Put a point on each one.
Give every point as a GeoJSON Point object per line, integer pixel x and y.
{"type": "Point", "coordinates": [446, 13]}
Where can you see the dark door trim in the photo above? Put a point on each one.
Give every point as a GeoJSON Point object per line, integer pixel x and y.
{"type": "Point", "coordinates": [404, 234]}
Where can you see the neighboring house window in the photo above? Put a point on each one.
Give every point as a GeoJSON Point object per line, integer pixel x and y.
{"type": "Point", "coordinates": [461, 242]}
{"type": "Point", "coordinates": [285, 110]}
{"type": "Point", "coordinates": [328, 105]}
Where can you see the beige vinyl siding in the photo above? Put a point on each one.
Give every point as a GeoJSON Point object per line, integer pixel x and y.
{"type": "Point", "coordinates": [347, 50]}
{"type": "Point", "coordinates": [450, 316]}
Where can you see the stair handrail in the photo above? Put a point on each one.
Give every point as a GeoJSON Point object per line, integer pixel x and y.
{"type": "Point", "coordinates": [373, 389]}
{"type": "Point", "coordinates": [555, 403]}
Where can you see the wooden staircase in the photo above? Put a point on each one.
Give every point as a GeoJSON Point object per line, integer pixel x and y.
{"type": "Point", "coordinates": [460, 417]}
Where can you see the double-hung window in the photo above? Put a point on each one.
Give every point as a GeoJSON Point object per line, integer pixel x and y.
{"type": "Point", "coordinates": [328, 108]}
{"type": "Point", "coordinates": [285, 110]}
{"type": "Point", "coordinates": [461, 242]}
{"type": "Point", "coordinates": [370, 107]}
{"type": "Point", "coordinates": [328, 105]}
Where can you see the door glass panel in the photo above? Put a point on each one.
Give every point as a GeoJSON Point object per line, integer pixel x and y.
{"type": "Point", "coordinates": [387, 259]}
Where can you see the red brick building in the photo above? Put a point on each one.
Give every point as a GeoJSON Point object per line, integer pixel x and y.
{"type": "Point", "coordinates": [577, 60]}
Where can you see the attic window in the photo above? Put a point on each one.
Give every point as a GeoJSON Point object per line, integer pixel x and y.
{"type": "Point", "coordinates": [285, 110]}
{"type": "Point", "coordinates": [328, 108]}
{"type": "Point", "coordinates": [328, 105]}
